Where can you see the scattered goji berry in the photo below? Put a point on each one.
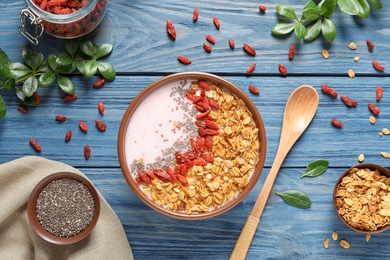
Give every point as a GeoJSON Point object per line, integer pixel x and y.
{"type": "Point", "coordinates": [374, 109]}
{"type": "Point", "coordinates": [336, 123]}
{"type": "Point", "coordinates": [207, 48]}
{"type": "Point", "coordinates": [171, 29]}
{"type": "Point", "coordinates": [217, 23]}
{"type": "Point", "coordinates": [87, 152]}
{"type": "Point", "coordinates": [282, 69]}
{"type": "Point", "coordinates": [370, 45]}
{"type": "Point", "coordinates": [328, 90]}
{"type": "Point", "coordinates": [37, 98]}
{"type": "Point", "coordinates": [347, 101]}
{"type": "Point", "coordinates": [232, 44]}
{"type": "Point", "coordinates": [83, 126]}
{"type": "Point", "coordinates": [203, 84]}
{"type": "Point", "coordinates": [99, 82]}
{"type": "Point", "coordinates": [262, 8]}
{"type": "Point", "coordinates": [249, 49]}
{"type": "Point", "coordinates": [184, 60]}
{"type": "Point", "coordinates": [22, 109]}
{"type": "Point", "coordinates": [210, 39]}
{"type": "Point", "coordinates": [195, 15]}
{"type": "Point", "coordinates": [379, 93]}
{"type": "Point", "coordinates": [101, 125]}
{"type": "Point", "coordinates": [60, 118]}
{"type": "Point", "coordinates": [378, 66]}
{"type": "Point", "coordinates": [70, 97]}
{"type": "Point", "coordinates": [68, 136]}
{"type": "Point", "coordinates": [251, 68]}
{"type": "Point", "coordinates": [101, 107]}
{"type": "Point", "coordinates": [35, 145]}
{"type": "Point", "coordinates": [291, 52]}
{"type": "Point", "coordinates": [254, 90]}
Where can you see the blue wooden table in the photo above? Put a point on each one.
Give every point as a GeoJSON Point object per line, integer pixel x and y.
{"type": "Point", "coordinates": [144, 53]}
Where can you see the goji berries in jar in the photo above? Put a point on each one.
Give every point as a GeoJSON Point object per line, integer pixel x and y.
{"type": "Point", "coordinates": [61, 19]}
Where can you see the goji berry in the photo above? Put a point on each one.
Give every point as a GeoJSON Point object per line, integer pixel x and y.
{"type": "Point", "coordinates": [208, 142]}
{"type": "Point", "coordinates": [203, 85]}
{"type": "Point", "coordinates": [87, 152]}
{"type": "Point", "coordinates": [202, 115]}
{"type": "Point", "coordinates": [211, 124]}
{"type": "Point", "coordinates": [249, 49]}
{"type": "Point", "coordinates": [37, 98]}
{"type": "Point", "coordinates": [206, 103]}
{"type": "Point", "coordinates": [291, 52]}
{"type": "Point", "coordinates": [171, 173]}
{"type": "Point", "coordinates": [35, 145]}
{"type": "Point", "coordinates": [207, 48]}
{"type": "Point", "coordinates": [70, 97]}
{"type": "Point", "coordinates": [195, 15]}
{"type": "Point", "coordinates": [162, 175]}
{"type": "Point", "coordinates": [184, 60]}
{"type": "Point", "coordinates": [199, 162]}
{"type": "Point", "coordinates": [262, 8]}
{"type": "Point", "coordinates": [251, 68]}
{"type": "Point", "coordinates": [101, 125]}
{"type": "Point", "coordinates": [99, 82]}
{"type": "Point", "coordinates": [374, 109]}
{"type": "Point", "coordinates": [83, 126]}
{"type": "Point", "coordinates": [379, 93]}
{"type": "Point", "coordinates": [22, 109]}
{"type": "Point", "coordinates": [328, 90]}
{"type": "Point", "coordinates": [144, 178]}
{"type": "Point", "coordinates": [171, 29]}
{"type": "Point", "coordinates": [208, 131]}
{"type": "Point", "coordinates": [378, 66]}
{"type": "Point", "coordinates": [60, 118]}
{"type": "Point", "coordinates": [336, 123]}
{"type": "Point", "coordinates": [232, 44]}
{"type": "Point", "coordinates": [207, 157]}
{"type": "Point", "coordinates": [370, 45]}
{"type": "Point", "coordinates": [347, 101]}
{"type": "Point", "coordinates": [210, 39]}
{"type": "Point", "coordinates": [182, 179]}
{"type": "Point", "coordinates": [254, 90]}
{"type": "Point", "coordinates": [217, 23]}
{"type": "Point", "coordinates": [101, 107]}
{"type": "Point", "coordinates": [282, 69]}
{"type": "Point", "coordinates": [68, 136]}
{"type": "Point", "coordinates": [213, 103]}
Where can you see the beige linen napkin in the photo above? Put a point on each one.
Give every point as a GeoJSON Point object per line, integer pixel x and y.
{"type": "Point", "coordinates": [19, 241]}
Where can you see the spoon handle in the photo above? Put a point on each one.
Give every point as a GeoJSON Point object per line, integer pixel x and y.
{"type": "Point", "coordinates": [248, 231]}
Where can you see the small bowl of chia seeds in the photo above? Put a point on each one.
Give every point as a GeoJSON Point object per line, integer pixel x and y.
{"type": "Point", "coordinates": [63, 208]}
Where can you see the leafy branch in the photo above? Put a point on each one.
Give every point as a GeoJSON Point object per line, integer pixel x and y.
{"type": "Point", "coordinates": [25, 78]}
{"type": "Point", "coordinates": [316, 18]}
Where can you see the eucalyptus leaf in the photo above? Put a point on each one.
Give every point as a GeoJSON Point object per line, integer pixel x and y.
{"type": "Point", "coordinates": [311, 11]}
{"type": "Point", "coordinates": [87, 47]}
{"type": "Point", "coordinates": [300, 30]}
{"type": "Point", "coordinates": [313, 30]}
{"type": "Point", "coordinates": [30, 86]}
{"type": "Point", "coordinates": [376, 4]}
{"type": "Point", "coordinates": [71, 46]}
{"type": "Point", "coordinates": [283, 28]}
{"type": "Point", "coordinates": [328, 29]}
{"type": "Point", "coordinates": [350, 7]}
{"type": "Point", "coordinates": [47, 78]}
{"type": "Point", "coordinates": [32, 58]}
{"type": "Point", "coordinates": [286, 11]}
{"type": "Point", "coordinates": [89, 68]}
{"type": "Point", "coordinates": [3, 108]}
{"type": "Point", "coordinates": [295, 198]}
{"type": "Point", "coordinates": [66, 84]}
{"type": "Point", "coordinates": [364, 9]}
{"type": "Point", "coordinates": [104, 50]}
{"type": "Point", "coordinates": [316, 168]}
{"type": "Point", "coordinates": [19, 70]}
{"type": "Point", "coordinates": [107, 70]}
{"type": "Point", "coordinates": [328, 7]}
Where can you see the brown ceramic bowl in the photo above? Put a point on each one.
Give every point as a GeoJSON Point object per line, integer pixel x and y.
{"type": "Point", "coordinates": [149, 92]}
{"type": "Point", "coordinates": [382, 171]}
{"type": "Point", "coordinates": [40, 230]}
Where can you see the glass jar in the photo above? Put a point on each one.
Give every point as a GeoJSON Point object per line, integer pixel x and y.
{"type": "Point", "coordinates": [34, 21]}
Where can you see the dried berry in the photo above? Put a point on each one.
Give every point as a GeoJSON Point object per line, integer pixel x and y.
{"type": "Point", "coordinates": [87, 152]}
{"type": "Point", "coordinates": [171, 29]}
{"type": "Point", "coordinates": [210, 39]}
{"type": "Point", "coordinates": [195, 15]}
{"type": "Point", "coordinates": [254, 90]}
{"type": "Point", "coordinates": [35, 145]}
{"type": "Point", "coordinates": [207, 48]}
{"type": "Point", "coordinates": [70, 97]}
{"type": "Point", "coordinates": [68, 136]}
{"type": "Point", "coordinates": [370, 45]}
{"type": "Point", "coordinates": [217, 23]}
{"type": "Point", "coordinates": [101, 107]}
{"type": "Point", "coordinates": [22, 109]}
{"type": "Point", "coordinates": [282, 69]}
{"type": "Point", "coordinates": [378, 66]}
{"type": "Point", "coordinates": [379, 93]}
{"type": "Point", "coordinates": [336, 123]}
{"type": "Point", "coordinates": [99, 82]}
{"type": "Point", "coordinates": [374, 109]}
{"type": "Point", "coordinates": [60, 118]}
{"type": "Point", "coordinates": [251, 68]}
{"type": "Point", "coordinates": [101, 125]}
{"type": "Point", "coordinates": [232, 44]}
{"type": "Point", "coordinates": [347, 101]}
{"type": "Point", "coordinates": [262, 9]}
{"type": "Point", "coordinates": [203, 84]}
{"type": "Point", "coordinates": [328, 90]}
{"type": "Point", "coordinates": [249, 49]}
{"type": "Point", "coordinates": [184, 60]}
{"type": "Point", "coordinates": [37, 98]}
{"type": "Point", "coordinates": [291, 52]}
{"type": "Point", "coordinates": [83, 126]}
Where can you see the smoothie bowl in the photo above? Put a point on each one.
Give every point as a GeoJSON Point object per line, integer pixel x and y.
{"type": "Point", "coordinates": [191, 145]}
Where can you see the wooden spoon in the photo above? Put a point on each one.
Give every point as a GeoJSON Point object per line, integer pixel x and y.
{"type": "Point", "coordinates": [300, 109]}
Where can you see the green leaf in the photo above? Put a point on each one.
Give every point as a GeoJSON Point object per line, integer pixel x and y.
{"type": "Point", "coordinates": [89, 68]}
{"type": "Point", "coordinates": [32, 58]}
{"type": "Point", "coordinates": [282, 28]}
{"type": "Point", "coordinates": [51, 60]}
{"type": "Point", "coordinates": [7, 83]}
{"type": "Point", "coordinates": [376, 4]}
{"type": "Point", "coordinates": [300, 30]}
{"type": "Point", "coordinates": [64, 60]}
{"type": "Point", "coordinates": [107, 70]}
{"type": "Point", "coordinates": [30, 86]}
{"type": "Point", "coordinates": [5, 65]}
{"type": "Point", "coordinates": [104, 50]}
{"type": "Point", "coordinates": [327, 7]}
{"type": "Point", "coordinates": [328, 29]}
{"type": "Point", "coordinates": [19, 70]}
{"type": "Point", "coordinates": [31, 101]}
{"type": "Point", "coordinates": [87, 47]}
{"type": "Point", "coordinates": [364, 9]}
{"type": "Point", "coordinates": [311, 11]}
{"type": "Point", "coordinates": [295, 198]}
{"type": "Point", "coordinates": [3, 108]}
{"type": "Point", "coordinates": [350, 7]}
{"type": "Point", "coordinates": [71, 46]}
{"type": "Point", "coordinates": [66, 84]}
{"type": "Point", "coordinates": [286, 11]}
{"type": "Point", "coordinates": [313, 30]}
{"type": "Point", "coordinates": [47, 78]}
{"type": "Point", "coordinates": [316, 168]}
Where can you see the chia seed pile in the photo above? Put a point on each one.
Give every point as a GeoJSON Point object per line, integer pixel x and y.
{"type": "Point", "coordinates": [182, 143]}
{"type": "Point", "coordinates": [65, 207]}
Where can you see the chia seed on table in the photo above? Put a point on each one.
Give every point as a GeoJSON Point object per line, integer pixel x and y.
{"type": "Point", "coordinates": [65, 207]}
{"type": "Point", "coordinates": [182, 143]}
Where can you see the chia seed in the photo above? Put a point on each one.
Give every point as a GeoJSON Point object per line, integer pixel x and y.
{"type": "Point", "coordinates": [65, 207]}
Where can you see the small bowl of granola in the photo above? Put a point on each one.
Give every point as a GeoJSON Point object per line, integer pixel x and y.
{"type": "Point", "coordinates": [191, 145]}
{"type": "Point", "coordinates": [362, 198]}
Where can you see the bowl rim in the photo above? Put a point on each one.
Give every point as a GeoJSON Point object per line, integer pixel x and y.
{"type": "Point", "coordinates": [190, 76]}
{"type": "Point", "coordinates": [372, 166]}
{"type": "Point", "coordinates": [40, 230]}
